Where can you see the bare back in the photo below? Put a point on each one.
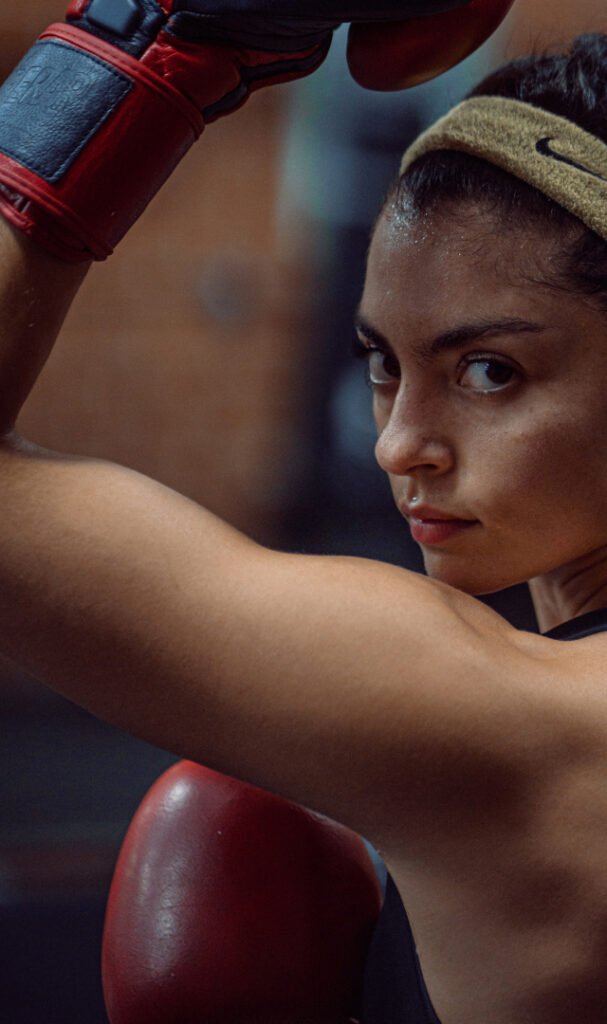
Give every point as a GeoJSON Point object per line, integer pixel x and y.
{"type": "Point", "coordinates": [509, 917]}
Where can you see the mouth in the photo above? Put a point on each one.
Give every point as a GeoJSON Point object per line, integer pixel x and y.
{"type": "Point", "coordinates": [430, 526]}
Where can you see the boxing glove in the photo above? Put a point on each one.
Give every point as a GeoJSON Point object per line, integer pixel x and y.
{"type": "Point", "coordinates": [407, 53]}
{"type": "Point", "coordinates": [232, 906]}
{"type": "Point", "coordinates": [103, 107]}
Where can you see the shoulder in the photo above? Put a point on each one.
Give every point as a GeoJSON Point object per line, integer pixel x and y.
{"type": "Point", "coordinates": [447, 710]}
{"type": "Point", "coordinates": [570, 681]}
{"type": "Point", "coordinates": [523, 737]}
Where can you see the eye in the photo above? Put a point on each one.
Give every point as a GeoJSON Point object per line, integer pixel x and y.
{"type": "Point", "coordinates": [382, 366]}
{"type": "Point", "coordinates": [486, 374]}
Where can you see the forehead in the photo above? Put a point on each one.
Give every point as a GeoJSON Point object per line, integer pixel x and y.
{"type": "Point", "coordinates": [429, 271]}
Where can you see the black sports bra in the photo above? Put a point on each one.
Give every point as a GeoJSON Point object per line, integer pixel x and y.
{"type": "Point", "coordinates": [394, 991]}
{"type": "Point", "coordinates": [583, 625]}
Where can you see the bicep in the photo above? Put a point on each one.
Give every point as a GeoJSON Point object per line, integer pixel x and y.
{"type": "Point", "coordinates": [355, 688]}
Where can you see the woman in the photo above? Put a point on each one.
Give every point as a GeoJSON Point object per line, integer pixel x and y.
{"type": "Point", "coordinates": [484, 396]}
{"type": "Point", "coordinates": [472, 755]}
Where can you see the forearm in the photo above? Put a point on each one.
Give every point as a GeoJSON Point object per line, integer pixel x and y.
{"type": "Point", "coordinates": [36, 291]}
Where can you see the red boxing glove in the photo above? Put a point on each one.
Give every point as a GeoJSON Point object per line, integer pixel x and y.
{"type": "Point", "coordinates": [101, 110]}
{"type": "Point", "coordinates": [233, 906]}
{"type": "Point", "coordinates": [410, 52]}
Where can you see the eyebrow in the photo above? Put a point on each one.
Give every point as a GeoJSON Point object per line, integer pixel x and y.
{"type": "Point", "coordinates": [457, 337]}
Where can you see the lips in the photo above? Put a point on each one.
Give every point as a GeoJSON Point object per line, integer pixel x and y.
{"type": "Point", "coordinates": [432, 526]}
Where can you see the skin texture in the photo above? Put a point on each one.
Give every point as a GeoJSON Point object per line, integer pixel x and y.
{"type": "Point", "coordinates": [520, 445]}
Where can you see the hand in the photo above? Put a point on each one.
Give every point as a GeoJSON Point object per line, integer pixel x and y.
{"type": "Point", "coordinates": [279, 24]}
{"type": "Point", "coordinates": [276, 40]}
{"type": "Point", "coordinates": [102, 109]}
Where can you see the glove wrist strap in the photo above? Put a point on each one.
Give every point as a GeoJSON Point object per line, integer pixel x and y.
{"type": "Point", "coordinates": [87, 137]}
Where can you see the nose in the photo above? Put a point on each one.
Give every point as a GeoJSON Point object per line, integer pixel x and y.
{"type": "Point", "coordinates": [411, 442]}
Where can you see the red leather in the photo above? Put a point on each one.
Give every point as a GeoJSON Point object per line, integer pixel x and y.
{"type": "Point", "coordinates": [165, 77]}
{"type": "Point", "coordinates": [403, 54]}
{"type": "Point", "coordinates": [86, 213]}
{"type": "Point", "coordinates": [206, 73]}
{"type": "Point", "coordinates": [76, 8]}
{"type": "Point", "coordinates": [232, 906]}
{"type": "Point", "coordinates": [99, 198]}
{"type": "Point", "coordinates": [177, 86]}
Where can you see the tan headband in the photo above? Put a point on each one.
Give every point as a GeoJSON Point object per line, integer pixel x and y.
{"type": "Point", "coordinates": [549, 152]}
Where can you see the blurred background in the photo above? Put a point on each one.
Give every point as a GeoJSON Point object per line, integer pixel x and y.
{"type": "Point", "coordinates": [212, 352]}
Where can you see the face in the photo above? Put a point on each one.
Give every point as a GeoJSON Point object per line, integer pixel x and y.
{"type": "Point", "coordinates": [489, 395]}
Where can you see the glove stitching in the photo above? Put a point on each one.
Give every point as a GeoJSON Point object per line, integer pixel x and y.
{"type": "Point", "coordinates": [30, 192]}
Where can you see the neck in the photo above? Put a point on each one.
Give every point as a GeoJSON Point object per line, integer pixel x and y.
{"type": "Point", "coordinates": [570, 590]}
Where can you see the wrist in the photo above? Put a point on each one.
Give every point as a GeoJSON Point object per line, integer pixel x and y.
{"type": "Point", "coordinates": [103, 133]}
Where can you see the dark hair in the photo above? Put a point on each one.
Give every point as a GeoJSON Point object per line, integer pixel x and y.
{"type": "Point", "coordinates": [573, 85]}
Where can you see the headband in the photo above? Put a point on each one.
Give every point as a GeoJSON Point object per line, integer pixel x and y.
{"type": "Point", "coordinates": [556, 156]}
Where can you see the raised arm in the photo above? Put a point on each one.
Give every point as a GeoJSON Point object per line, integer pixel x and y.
{"type": "Point", "coordinates": [332, 681]}
{"type": "Point", "coordinates": [349, 686]}
{"type": "Point", "coordinates": [329, 681]}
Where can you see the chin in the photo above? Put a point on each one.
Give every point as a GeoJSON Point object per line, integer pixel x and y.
{"type": "Point", "coordinates": [475, 579]}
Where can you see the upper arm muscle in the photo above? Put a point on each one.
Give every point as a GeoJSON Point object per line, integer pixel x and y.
{"type": "Point", "coordinates": [356, 688]}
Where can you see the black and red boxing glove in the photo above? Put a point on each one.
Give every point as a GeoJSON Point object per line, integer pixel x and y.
{"type": "Point", "coordinates": [232, 906]}
{"type": "Point", "coordinates": [104, 106]}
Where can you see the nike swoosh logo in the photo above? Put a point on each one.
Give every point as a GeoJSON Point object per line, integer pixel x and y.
{"type": "Point", "coordinates": [544, 148]}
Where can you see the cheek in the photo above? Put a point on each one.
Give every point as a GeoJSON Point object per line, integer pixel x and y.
{"type": "Point", "coordinates": [382, 404]}
{"type": "Point", "coordinates": [553, 469]}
